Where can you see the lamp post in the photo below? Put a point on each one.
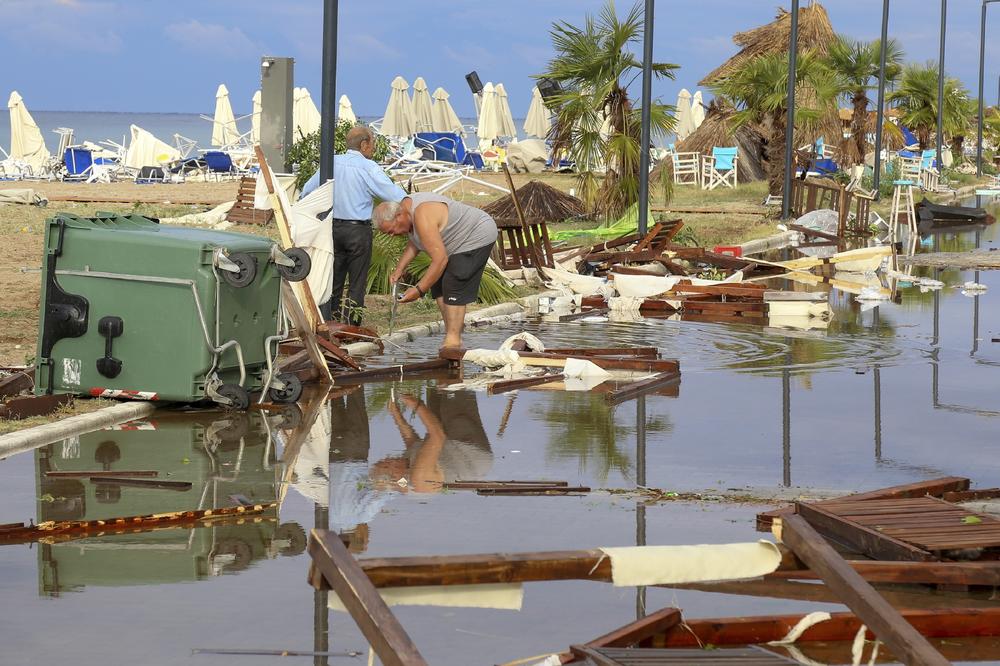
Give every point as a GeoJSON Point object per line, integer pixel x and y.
{"type": "Point", "coordinates": [940, 101]}
{"type": "Point", "coordinates": [647, 94]}
{"type": "Point", "coordinates": [329, 100]}
{"type": "Point", "coordinates": [982, 67]}
{"type": "Point", "coordinates": [880, 114]}
{"type": "Point", "coordinates": [793, 47]}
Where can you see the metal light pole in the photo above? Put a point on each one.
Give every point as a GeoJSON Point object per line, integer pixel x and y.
{"type": "Point", "coordinates": [793, 47]}
{"type": "Point", "coordinates": [940, 102]}
{"type": "Point", "coordinates": [328, 112]}
{"type": "Point", "coordinates": [647, 94]}
{"type": "Point", "coordinates": [880, 114]}
{"type": "Point", "coordinates": [982, 68]}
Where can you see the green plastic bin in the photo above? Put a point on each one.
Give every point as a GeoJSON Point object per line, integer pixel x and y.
{"type": "Point", "coordinates": [135, 309]}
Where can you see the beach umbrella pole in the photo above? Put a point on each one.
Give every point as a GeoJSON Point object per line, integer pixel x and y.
{"type": "Point", "coordinates": [880, 113]}
{"type": "Point", "coordinates": [793, 47]}
{"type": "Point", "coordinates": [647, 94]}
{"type": "Point", "coordinates": [328, 112]}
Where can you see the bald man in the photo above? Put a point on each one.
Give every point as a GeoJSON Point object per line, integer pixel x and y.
{"type": "Point", "coordinates": [358, 180]}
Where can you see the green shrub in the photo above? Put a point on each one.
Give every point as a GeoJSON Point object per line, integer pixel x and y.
{"type": "Point", "coordinates": [305, 151]}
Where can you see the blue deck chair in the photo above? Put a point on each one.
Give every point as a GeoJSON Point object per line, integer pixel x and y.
{"type": "Point", "coordinates": [911, 141]}
{"type": "Point", "coordinates": [219, 164]}
{"type": "Point", "coordinates": [720, 168]}
{"type": "Point", "coordinates": [79, 163]}
{"type": "Point", "coordinates": [928, 159]}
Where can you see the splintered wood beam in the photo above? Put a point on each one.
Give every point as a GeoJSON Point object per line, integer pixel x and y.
{"type": "Point", "coordinates": [905, 642]}
{"type": "Point", "coordinates": [856, 537]}
{"type": "Point", "coordinates": [929, 573]}
{"type": "Point", "coordinates": [380, 627]}
{"type": "Point", "coordinates": [391, 372]}
{"type": "Point", "coordinates": [606, 362]}
{"type": "Point", "coordinates": [641, 387]}
{"type": "Point", "coordinates": [505, 385]}
{"type": "Point", "coordinates": [644, 352]}
{"type": "Point", "coordinates": [636, 632]}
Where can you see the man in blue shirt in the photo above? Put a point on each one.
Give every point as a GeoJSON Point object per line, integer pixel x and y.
{"type": "Point", "coordinates": [357, 181]}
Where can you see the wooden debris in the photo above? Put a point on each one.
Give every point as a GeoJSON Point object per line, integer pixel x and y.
{"type": "Point", "coordinates": [905, 642]}
{"type": "Point", "coordinates": [642, 387]}
{"type": "Point", "coordinates": [502, 386]}
{"type": "Point", "coordinates": [19, 380]}
{"type": "Point", "coordinates": [534, 490]}
{"type": "Point", "coordinates": [24, 407]}
{"type": "Point", "coordinates": [243, 211]}
{"type": "Point", "coordinates": [100, 473]}
{"type": "Point", "coordinates": [380, 627]}
{"type": "Point", "coordinates": [529, 238]}
{"type": "Point", "coordinates": [161, 484]}
{"type": "Point", "coordinates": [392, 372]}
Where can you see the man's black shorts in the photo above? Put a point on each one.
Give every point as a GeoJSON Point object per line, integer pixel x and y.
{"type": "Point", "coordinates": [459, 284]}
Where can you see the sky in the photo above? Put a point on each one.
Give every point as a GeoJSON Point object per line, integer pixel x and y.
{"type": "Point", "coordinates": [151, 56]}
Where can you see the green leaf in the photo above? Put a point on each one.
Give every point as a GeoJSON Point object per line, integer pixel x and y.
{"type": "Point", "coordinates": [972, 520]}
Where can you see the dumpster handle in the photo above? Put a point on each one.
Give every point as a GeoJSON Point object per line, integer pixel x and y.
{"type": "Point", "coordinates": [197, 303]}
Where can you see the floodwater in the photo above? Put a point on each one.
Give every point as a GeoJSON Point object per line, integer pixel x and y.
{"type": "Point", "coordinates": [892, 394]}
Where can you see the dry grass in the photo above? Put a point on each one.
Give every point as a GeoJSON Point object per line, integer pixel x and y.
{"type": "Point", "coordinates": [73, 408]}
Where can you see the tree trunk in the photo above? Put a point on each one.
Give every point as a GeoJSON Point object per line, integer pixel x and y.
{"type": "Point", "coordinates": [924, 136]}
{"type": "Point", "coordinates": [775, 153]}
{"type": "Point", "coordinates": [958, 146]}
{"type": "Point", "coordinates": [859, 124]}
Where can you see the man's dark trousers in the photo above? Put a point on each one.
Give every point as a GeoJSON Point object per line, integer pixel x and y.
{"type": "Point", "coordinates": [352, 256]}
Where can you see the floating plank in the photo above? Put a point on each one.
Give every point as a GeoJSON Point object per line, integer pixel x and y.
{"type": "Point", "coordinates": [475, 485]}
{"type": "Point", "coordinates": [859, 538]}
{"type": "Point", "coordinates": [745, 656]}
{"type": "Point", "coordinates": [606, 362]}
{"type": "Point", "coordinates": [380, 627]}
{"type": "Point", "coordinates": [100, 473]}
{"type": "Point", "coordinates": [642, 387]}
{"type": "Point", "coordinates": [636, 632]}
{"type": "Point", "coordinates": [391, 372]}
{"type": "Point", "coordinates": [644, 352]}
{"type": "Point", "coordinates": [502, 386]}
{"type": "Point", "coordinates": [160, 484]}
{"type": "Point", "coordinates": [930, 573]}
{"type": "Point", "coordinates": [533, 490]}
{"type": "Point", "coordinates": [905, 642]}
{"type": "Point", "coordinates": [972, 495]}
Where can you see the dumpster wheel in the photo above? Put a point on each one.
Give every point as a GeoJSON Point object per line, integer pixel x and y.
{"type": "Point", "coordinates": [290, 393]}
{"type": "Point", "coordinates": [298, 272]}
{"type": "Point", "coordinates": [237, 395]}
{"type": "Point", "coordinates": [248, 270]}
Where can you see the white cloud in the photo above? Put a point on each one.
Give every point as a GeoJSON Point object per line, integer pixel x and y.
{"type": "Point", "coordinates": [206, 38]}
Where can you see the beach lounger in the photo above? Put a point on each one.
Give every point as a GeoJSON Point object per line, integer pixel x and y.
{"type": "Point", "coordinates": [219, 164]}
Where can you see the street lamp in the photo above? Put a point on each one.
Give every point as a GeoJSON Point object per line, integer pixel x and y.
{"type": "Point", "coordinates": [793, 47]}
{"type": "Point", "coordinates": [982, 67]}
{"type": "Point", "coordinates": [329, 100]}
{"type": "Point", "coordinates": [940, 104]}
{"type": "Point", "coordinates": [880, 114]}
{"type": "Point", "coordinates": [647, 94]}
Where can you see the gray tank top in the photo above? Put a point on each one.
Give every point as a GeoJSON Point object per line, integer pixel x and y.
{"type": "Point", "coordinates": [468, 228]}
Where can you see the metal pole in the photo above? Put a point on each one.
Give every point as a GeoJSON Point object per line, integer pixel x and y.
{"type": "Point", "coordinates": [647, 94]}
{"type": "Point", "coordinates": [880, 113]}
{"type": "Point", "coordinates": [793, 46]}
{"type": "Point", "coordinates": [328, 112]}
{"type": "Point", "coordinates": [982, 67]}
{"type": "Point", "coordinates": [640, 507]}
{"type": "Point", "coordinates": [940, 104]}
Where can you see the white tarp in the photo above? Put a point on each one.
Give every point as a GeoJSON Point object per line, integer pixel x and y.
{"type": "Point", "coordinates": [26, 141]}
{"type": "Point", "coordinates": [664, 565]}
{"type": "Point", "coordinates": [146, 150]}
{"type": "Point", "coordinates": [697, 110]}
{"type": "Point", "coordinates": [490, 123]}
{"type": "Point", "coordinates": [398, 119]}
{"type": "Point", "coordinates": [443, 115]}
{"type": "Point", "coordinates": [315, 237]}
{"type": "Point", "coordinates": [538, 122]}
{"type": "Point", "coordinates": [305, 115]}
{"type": "Point", "coordinates": [423, 118]}
{"type": "Point", "coordinates": [527, 156]}
{"type": "Point", "coordinates": [312, 462]}
{"type": "Point", "coordinates": [506, 119]}
{"type": "Point", "coordinates": [224, 132]}
{"type": "Point", "coordinates": [255, 119]}
{"type": "Point", "coordinates": [26, 196]}
{"type": "Point", "coordinates": [685, 124]}
{"type": "Point", "coordinates": [345, 112]}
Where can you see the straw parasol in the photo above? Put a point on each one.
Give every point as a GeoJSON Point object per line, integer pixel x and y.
{"type": "Point", "coordinates": [540, 202]}
{"type": "Point", "coordinates": [422, 118]}
{"type": "Point", "coordinates": [506, 119]}
{"type": "Point", "coordinates": [443, 116]}
{"type": "Point", "coordinates": [305, 115]}
{"type": "Point", "coordinates": [719, 130]}
{"type": "Point", "coordinates": [345, 112]}
{"type": "Point", "coordinates": [697, 110]}
{"type": "Point", "coordinates": [398, 119]}
{"type": "Point", "coordinates": [815, 32]}
{"type": "Point", "coordinates": [255, 119]}
{"type": "Point", "coordinates": [26, 141]}
{"type": "Point", "coordinates": [538, 122]}
{"type": "Point", "coordinates": [224, 132]}
{"type": "Point", "coordinates": [490, 123]}
{"type": "Point", "coordinates": [684, 123]}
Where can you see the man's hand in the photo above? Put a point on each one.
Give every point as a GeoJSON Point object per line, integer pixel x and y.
{"type": "Point", "coordinates": [396, 275]}
{"type": "Point", "coordinates": [411, 295]}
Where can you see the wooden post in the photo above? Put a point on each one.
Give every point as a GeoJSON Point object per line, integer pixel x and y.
{"type": "Point", "coordinates": [536, 257]}
{"type": "Point", "coordinates": [380, 627]}
{"type": "Point", "coordinates": [906, 643]}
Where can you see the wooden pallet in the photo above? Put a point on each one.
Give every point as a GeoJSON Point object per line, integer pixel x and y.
{"type": "Point", "coordinates": [747, 656]}
{"type": "Point", "coordinates": [920, 528]}
{"type": "Point", "coordinates": [243, 211]}
{"type": "Point", "coordinates": [517, 246]}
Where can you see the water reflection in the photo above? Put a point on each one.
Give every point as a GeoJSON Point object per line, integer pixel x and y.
{"type": "Point", "coordinates": [222, 458]}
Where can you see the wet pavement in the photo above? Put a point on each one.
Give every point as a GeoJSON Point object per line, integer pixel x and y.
{"type": "Point", "coordinates": [893, 394]}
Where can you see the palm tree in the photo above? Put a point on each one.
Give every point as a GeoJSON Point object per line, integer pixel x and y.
{"type": "Point", "coordinates": [759, 92]}
{"type": "Point", "coordinates": [596, 123]}
{"type": "Point", "coordinates": [856, 63]}
{"type": "Point", "coordinates": [917, 99]}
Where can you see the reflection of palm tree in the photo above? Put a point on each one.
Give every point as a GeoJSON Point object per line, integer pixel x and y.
{"type": "Point", "coordinates": [583, 426]}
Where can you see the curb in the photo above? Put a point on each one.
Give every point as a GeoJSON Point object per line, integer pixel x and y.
{"type": "Point", "coordinates": [32, 438]}
{"type": "Point", "coordinates": [775, 242]}
{"type": "Point", "coordinates": [477, 318]}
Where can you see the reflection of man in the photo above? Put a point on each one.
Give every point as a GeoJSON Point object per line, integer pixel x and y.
{"type": "Point", "coordinates": [354, 501]}
{"type": "Point", "coordinates": [455, 447]}
{"type": "Point", "coordinates": [457, 237]}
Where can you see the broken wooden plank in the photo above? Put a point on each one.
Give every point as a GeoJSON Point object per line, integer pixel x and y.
{"type": "Point", "coordinates": [533, 490]}
{"type": "Point", "coordinates": [644, 352]}
{"type": "Point", "coordinates": [971, 495]}
{"type": "Point", "coordinates": [475, 485]}
{"type": "Point", "coordinates": [505, 385]}
{"type": "Point", "coordinates": [642, 387]}
{"type": "Point", "coordinates": [606, 362]}
{"type": "Point", "coordinates": [380, 627]}
{"type": "Point", "coordinates": [905, 642]}
{"type": "Point", "coordinates": [99, 473]}
{"type": "Point", "coordinates": [160, 484]}
{"type": "Point", "coordinates": [929, 573]}
{"type": "Point", "coordinates": [634, 633]}
{"type": "Point", "coordinates": [33, 405]}
{"type": "Point", "coordinates": [856, 537]}
{"type": "Point", "coordinates": [391, 372]}
{"type": "Point", "coordinates": [17, 382]}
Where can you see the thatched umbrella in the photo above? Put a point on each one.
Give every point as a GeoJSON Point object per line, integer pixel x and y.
{"type": "Point", "coordinates": [540, 202]}
{"type": "Point", "coordinates": [719, 130]}
{"type": "Point", "coordinates": [815, 32]}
